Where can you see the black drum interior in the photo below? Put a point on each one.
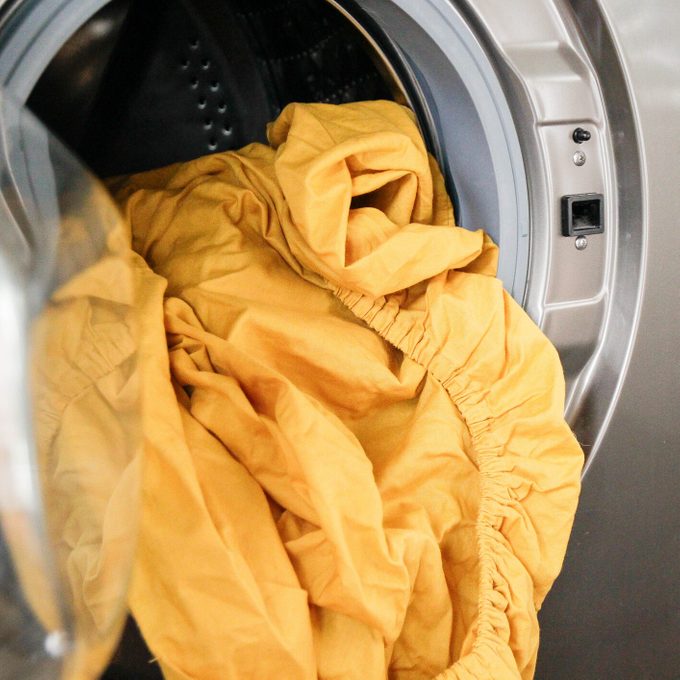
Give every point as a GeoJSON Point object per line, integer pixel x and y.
{"type": "Point", "coordinates": [150, 82]}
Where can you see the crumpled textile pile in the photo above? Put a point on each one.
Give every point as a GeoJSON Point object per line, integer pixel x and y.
{"type": "Point", "coordinates": [356, 462]}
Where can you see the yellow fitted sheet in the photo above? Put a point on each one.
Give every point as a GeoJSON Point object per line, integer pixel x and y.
{"type": "Point", "coordinates": [356, 462]}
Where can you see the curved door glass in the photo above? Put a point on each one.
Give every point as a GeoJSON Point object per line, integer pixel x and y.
{"type": "Point", "coordinates": [69, 431]}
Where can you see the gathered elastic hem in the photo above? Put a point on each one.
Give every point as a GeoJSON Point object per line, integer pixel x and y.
{"type": "Point", "coordinates": [490, 656]}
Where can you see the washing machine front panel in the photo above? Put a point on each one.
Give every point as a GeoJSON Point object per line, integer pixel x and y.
{"type": "Point", "coordinates": [615, 610]}
{"type": "Point", "coordinates": [501, 90]}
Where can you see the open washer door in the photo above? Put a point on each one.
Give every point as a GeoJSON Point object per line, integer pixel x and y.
{"type": "Point", "coordinates": [68, 514]}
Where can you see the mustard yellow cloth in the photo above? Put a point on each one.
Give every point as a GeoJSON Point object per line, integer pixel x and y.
{"type": "Point", "coordinates": [356, 464]}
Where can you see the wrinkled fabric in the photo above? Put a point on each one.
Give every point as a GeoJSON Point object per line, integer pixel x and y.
{"type": "Point", "coordinates": [356, 464]}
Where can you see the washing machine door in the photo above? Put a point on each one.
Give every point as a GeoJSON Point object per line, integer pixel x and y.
{"type": "Point", "coordinates": [69, 432]}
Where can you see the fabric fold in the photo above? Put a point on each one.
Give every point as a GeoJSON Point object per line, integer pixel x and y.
{"type": "Point", "coordinates": [342, 353]}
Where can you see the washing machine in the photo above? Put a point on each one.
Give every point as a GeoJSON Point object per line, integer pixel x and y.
{"type": "Point", "coordinates": [557, 126]}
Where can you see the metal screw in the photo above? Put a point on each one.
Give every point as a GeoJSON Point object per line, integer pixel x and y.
{"type": "Point", "coordinates": [579, 158]}
{"type": "Point", "coordinates": [581, 243]}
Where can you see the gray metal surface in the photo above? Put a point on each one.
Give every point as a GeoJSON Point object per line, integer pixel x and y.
{"type": "Point", "coordinates": [586, 300]}
{"type": "Point", "coordinates": [615, 611]}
